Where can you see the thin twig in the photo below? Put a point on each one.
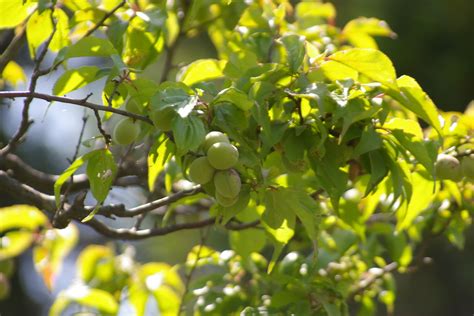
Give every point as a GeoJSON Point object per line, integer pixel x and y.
{"type": "Point", "coordinates": [80, 102]}
{"type": "Point", "coordinates": [12, 50]}
{"type": "Point", "coordinates": [105, 17]}
{"type": "Point", "coordinates": [107, 137]}
{"type": "Point", "coordinates": [47, 204]}
{"type": "Point", "coordinates": [44, 182]}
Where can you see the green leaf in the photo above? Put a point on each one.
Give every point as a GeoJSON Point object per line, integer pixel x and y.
{"type": "Point", "coordinates": [410, 136]}
{"type": "Point", "coordinates": [295, 50]}
{"type": "Point", "coordinates": [40, 26]}
{"type": "Point", "coordinates": [13, 74]}
{"type": "Point", "coordinates": [201, 70]}
{"type": "Point", "coordinates": [371, 63]}
{"type": "Point", "coordinates": [412, 96]}
{"type": "Point", "coordinates": [423, 192]}
{"type": "Point", "coordinates": [90, 47]}
{"type": "Point", "coordinates": [89, 261]}
{"type": "Point", "coordinates": [201, 255]}
{"type": "Point", "coordinates": [336, 71]}
{"type": "Point", "coordinates": [68, 173]}
{"type": "Point", "coordinates": [277, 207]}
{"type": "Point", "coordinates": [247, 241]}
{"type": "Point", "coordinates": [359, 31]}
{"type": "Point", "coordinates": [141, 47]}
{"type": "Point", "coordinates": [76, 78]}
{"type": "Point", "coordinates": [18, 226]}
{"type": "Point", "coordinates": [100, 300]}
{"type": "Point", "coordinates": [176, 96]}
{"type": "Point", "coordinates": [234, 96]}
{"type": "Point", "coordinates": [101, 171]}
{"type": "Point", "coordinates": [189, 133]}
{"type": "Point", "coordinates": [157, 158]}
{"type": "Point", "coordinates": [309, 213]}
{"type": "Point", "coordinates": [309, 14]}
{"type": "Point", "coordinates": [14, 12]}
{"type": "Point", "coordinates": [369, 140]}
{"type": "Point", "coordinates": [378, 169]}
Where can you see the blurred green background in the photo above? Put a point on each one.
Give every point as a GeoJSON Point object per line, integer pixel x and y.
{"type": "Point", "coordinates": [435, 45]}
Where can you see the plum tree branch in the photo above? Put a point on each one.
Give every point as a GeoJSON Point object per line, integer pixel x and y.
{"type": "Point", "coordinates": [44, 182]}
{"type": "Point", "coordinates": [105, 17]}
{"type": "Point", "coordinates": [12, 48]}
{"type": "Point", "coordinates": [80, 102]}
{"type": "Point", "coordinates": [77, 212]}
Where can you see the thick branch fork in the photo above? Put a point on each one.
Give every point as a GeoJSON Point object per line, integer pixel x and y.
{"type": "Point", "coordinates": [80, 102]}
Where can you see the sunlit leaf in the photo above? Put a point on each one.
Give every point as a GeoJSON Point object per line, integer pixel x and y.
{"type": "Point", "coordinates": [76, 78]}
{"type": "Point", "coordinates": [201, 70]}
{"type": "Point", "coordinates": [371, 63]}
{"type": "Point", "coordinates": [18, 226]}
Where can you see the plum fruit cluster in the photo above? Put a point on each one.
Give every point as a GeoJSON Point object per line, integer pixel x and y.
{"type": "Point", "coordinates": [217, 166]}
{"type": "Point", "coordinates": [449, 167]}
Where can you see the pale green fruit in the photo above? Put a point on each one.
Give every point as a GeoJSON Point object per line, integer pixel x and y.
{"type": "Point", "coordinates": [200, 171]}
{"type": "Point", "coordinates": [212, 138]}
{"type": "Point", "coordinates": [226, 201]}
{"type": "Point", "coordinates": [134, 106]}
{"type": "Point", "coordinates": [223, 155]}
{"type": "Point", "coordinates": [467, 166]}
{"type": "Point", "coordinates": [227, 183]}
{"type": "Point", "coordinates": [163, 119]}
{"type": "Point", "coordinates": [126, 131]}
{"type": "Point", "coordinates": [448, 168]}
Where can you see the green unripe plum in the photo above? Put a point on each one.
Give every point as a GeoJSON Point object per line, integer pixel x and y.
{"type": "Point", "coordinates": [448, 168]}
{"type": "Point", "coordinates": [134, 106]}
{"type": "Point", "coordinates": [227, 183]}
{"type": "Point", "coordinates": [214, 137]}
{"type": "Point", "coordinates": [7, 266]}
{"type": "Point", "coordinates": [4, 287]}
{"type": "Point", "coordinates": [201, 171]}
{"type": "Point", "coordinates": [467, 166]}
{"type": "Point", "coordinates": [223, 155]}
{"type": "Point", "coordinates": [226, 201]}
{"type": "Point", "coordinates": [126, 131]}
{"type": "Point", "coordinates": [163, 119]}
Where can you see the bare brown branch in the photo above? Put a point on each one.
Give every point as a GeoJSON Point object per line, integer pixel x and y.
{"type": "Point", "coordinates": [77, 212]}
{"type": "Point", "coordinates": [80, 102]}
{"type": "Point", "coordinates": [44, 182]}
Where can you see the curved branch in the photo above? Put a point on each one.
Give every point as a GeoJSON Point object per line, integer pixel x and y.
{"type": "Point", "coordinates": [47, 204]}
{"type": "Point", "coordinates": [80, 102]}
{"type": "Point", "coordinates": [44, 182]}
{"type": "Point", "coordinates": [12, 50]}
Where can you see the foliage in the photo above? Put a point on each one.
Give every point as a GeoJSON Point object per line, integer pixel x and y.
{"type": "Point", "coordinates": [334, 156]}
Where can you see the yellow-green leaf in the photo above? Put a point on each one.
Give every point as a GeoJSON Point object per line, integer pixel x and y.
{"type": "Point", "coordinates": [412, 96]}
{"type": "Point", "coordinates": [371, 63]}
{"type": "Point", "coordinates": [18, 224]}
{"type": "Point", "coordinates": [76, 78]}
{"type": "Point", "coordinates": [14, 74]}
{"type": "Point", "coordinates": [201, 70]}
{"type": "Point", "coordinates": [13, 12]}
